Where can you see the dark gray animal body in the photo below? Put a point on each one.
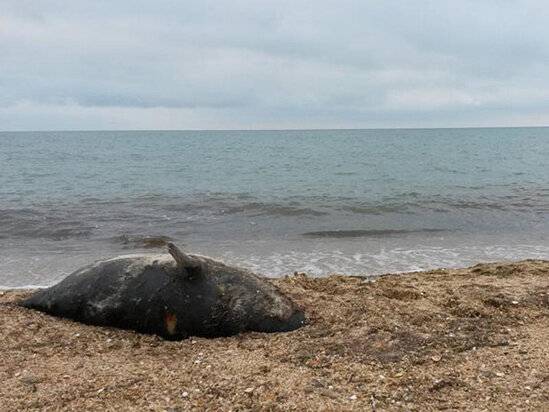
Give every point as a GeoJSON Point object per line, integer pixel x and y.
{"type": "Point", "coordinates": [171, 296]}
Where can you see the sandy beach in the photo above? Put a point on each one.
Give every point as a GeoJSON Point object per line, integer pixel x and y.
{"type": "Point", "coordinates": [467, 339]}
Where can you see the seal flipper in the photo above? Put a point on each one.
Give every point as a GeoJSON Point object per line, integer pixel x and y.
{"type": "Point", "coordinates": [187, 265]}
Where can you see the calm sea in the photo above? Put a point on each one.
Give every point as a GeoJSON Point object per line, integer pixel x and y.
{"type": "Point", "coordinates": [348, 201]}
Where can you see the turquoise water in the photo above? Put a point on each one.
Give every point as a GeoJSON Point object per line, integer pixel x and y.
{"type": "Point", "coordinates": [354, 201]}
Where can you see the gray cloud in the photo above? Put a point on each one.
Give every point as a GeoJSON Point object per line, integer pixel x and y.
{"type": "Point", "coordinates": [272, 64]}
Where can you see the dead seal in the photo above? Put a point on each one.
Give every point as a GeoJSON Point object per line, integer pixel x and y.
{"type": "Point", "coordinates": [171, 295]}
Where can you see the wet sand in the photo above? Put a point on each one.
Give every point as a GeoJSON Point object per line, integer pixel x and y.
{"type": "Point", "coordinates": [468, 339]}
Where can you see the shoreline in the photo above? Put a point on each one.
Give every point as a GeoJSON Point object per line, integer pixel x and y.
{"type": "Point", "coordinates": [469, 339]}
{"type": "Point", "coordinates": [370, 275]}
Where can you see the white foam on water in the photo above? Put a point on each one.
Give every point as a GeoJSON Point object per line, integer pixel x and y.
{"type": "Point", "coordinates": [398, 260]}
{"type": "Point", "coordinates": [5, 288]}
{"type": "Point", "coordinates": [280, 259]}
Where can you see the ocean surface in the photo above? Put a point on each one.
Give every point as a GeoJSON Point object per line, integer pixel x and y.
{"type": "Point", "coordinates": [349, 201]}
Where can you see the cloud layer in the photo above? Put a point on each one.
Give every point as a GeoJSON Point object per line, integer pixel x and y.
{"type": "Point", "coordinates": [272, 64]}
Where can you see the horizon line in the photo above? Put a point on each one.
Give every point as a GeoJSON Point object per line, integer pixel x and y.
{"type": "Point", "coordinates": [272, 130]}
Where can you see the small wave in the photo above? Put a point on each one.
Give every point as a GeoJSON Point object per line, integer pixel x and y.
{"type": "Point", "coordinates": [366, 233]}
{"type": "Point", "coordinates": [66, 233]}
{"type": "Point", "coordinates": [137, 241]}
{"type": "Point", "coordinates": [255, 208]}
{"type": "Point", "coordinates": [270, 209]}
{"type": "Point", "coordinates": [345, 173]}
{"type": "Point", "coordinates": [378, 209]}
{"type": "Point", "coordinates": [29, 287]}
{"type": "Point", "coordinates": [31, 223]}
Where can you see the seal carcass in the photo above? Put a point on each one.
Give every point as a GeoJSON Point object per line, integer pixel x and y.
{"type": "Point", "coordinates": [171, 295]}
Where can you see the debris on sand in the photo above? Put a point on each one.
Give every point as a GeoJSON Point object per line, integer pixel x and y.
{"type": "Point", "coordinates": [419, 341]}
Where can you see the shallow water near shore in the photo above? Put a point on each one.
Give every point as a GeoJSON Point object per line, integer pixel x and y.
{"type": "Point", "coordinates": [348, 201]}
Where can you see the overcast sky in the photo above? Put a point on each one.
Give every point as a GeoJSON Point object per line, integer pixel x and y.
{"type": "Point", "coordinates": [272, 64]}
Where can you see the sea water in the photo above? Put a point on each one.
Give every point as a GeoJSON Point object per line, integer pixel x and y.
{"type": "Point", "coordinates": [321, 201]}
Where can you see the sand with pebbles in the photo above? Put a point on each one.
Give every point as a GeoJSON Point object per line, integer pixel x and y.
{"type": "Point", "coordinates": [470, 339]}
